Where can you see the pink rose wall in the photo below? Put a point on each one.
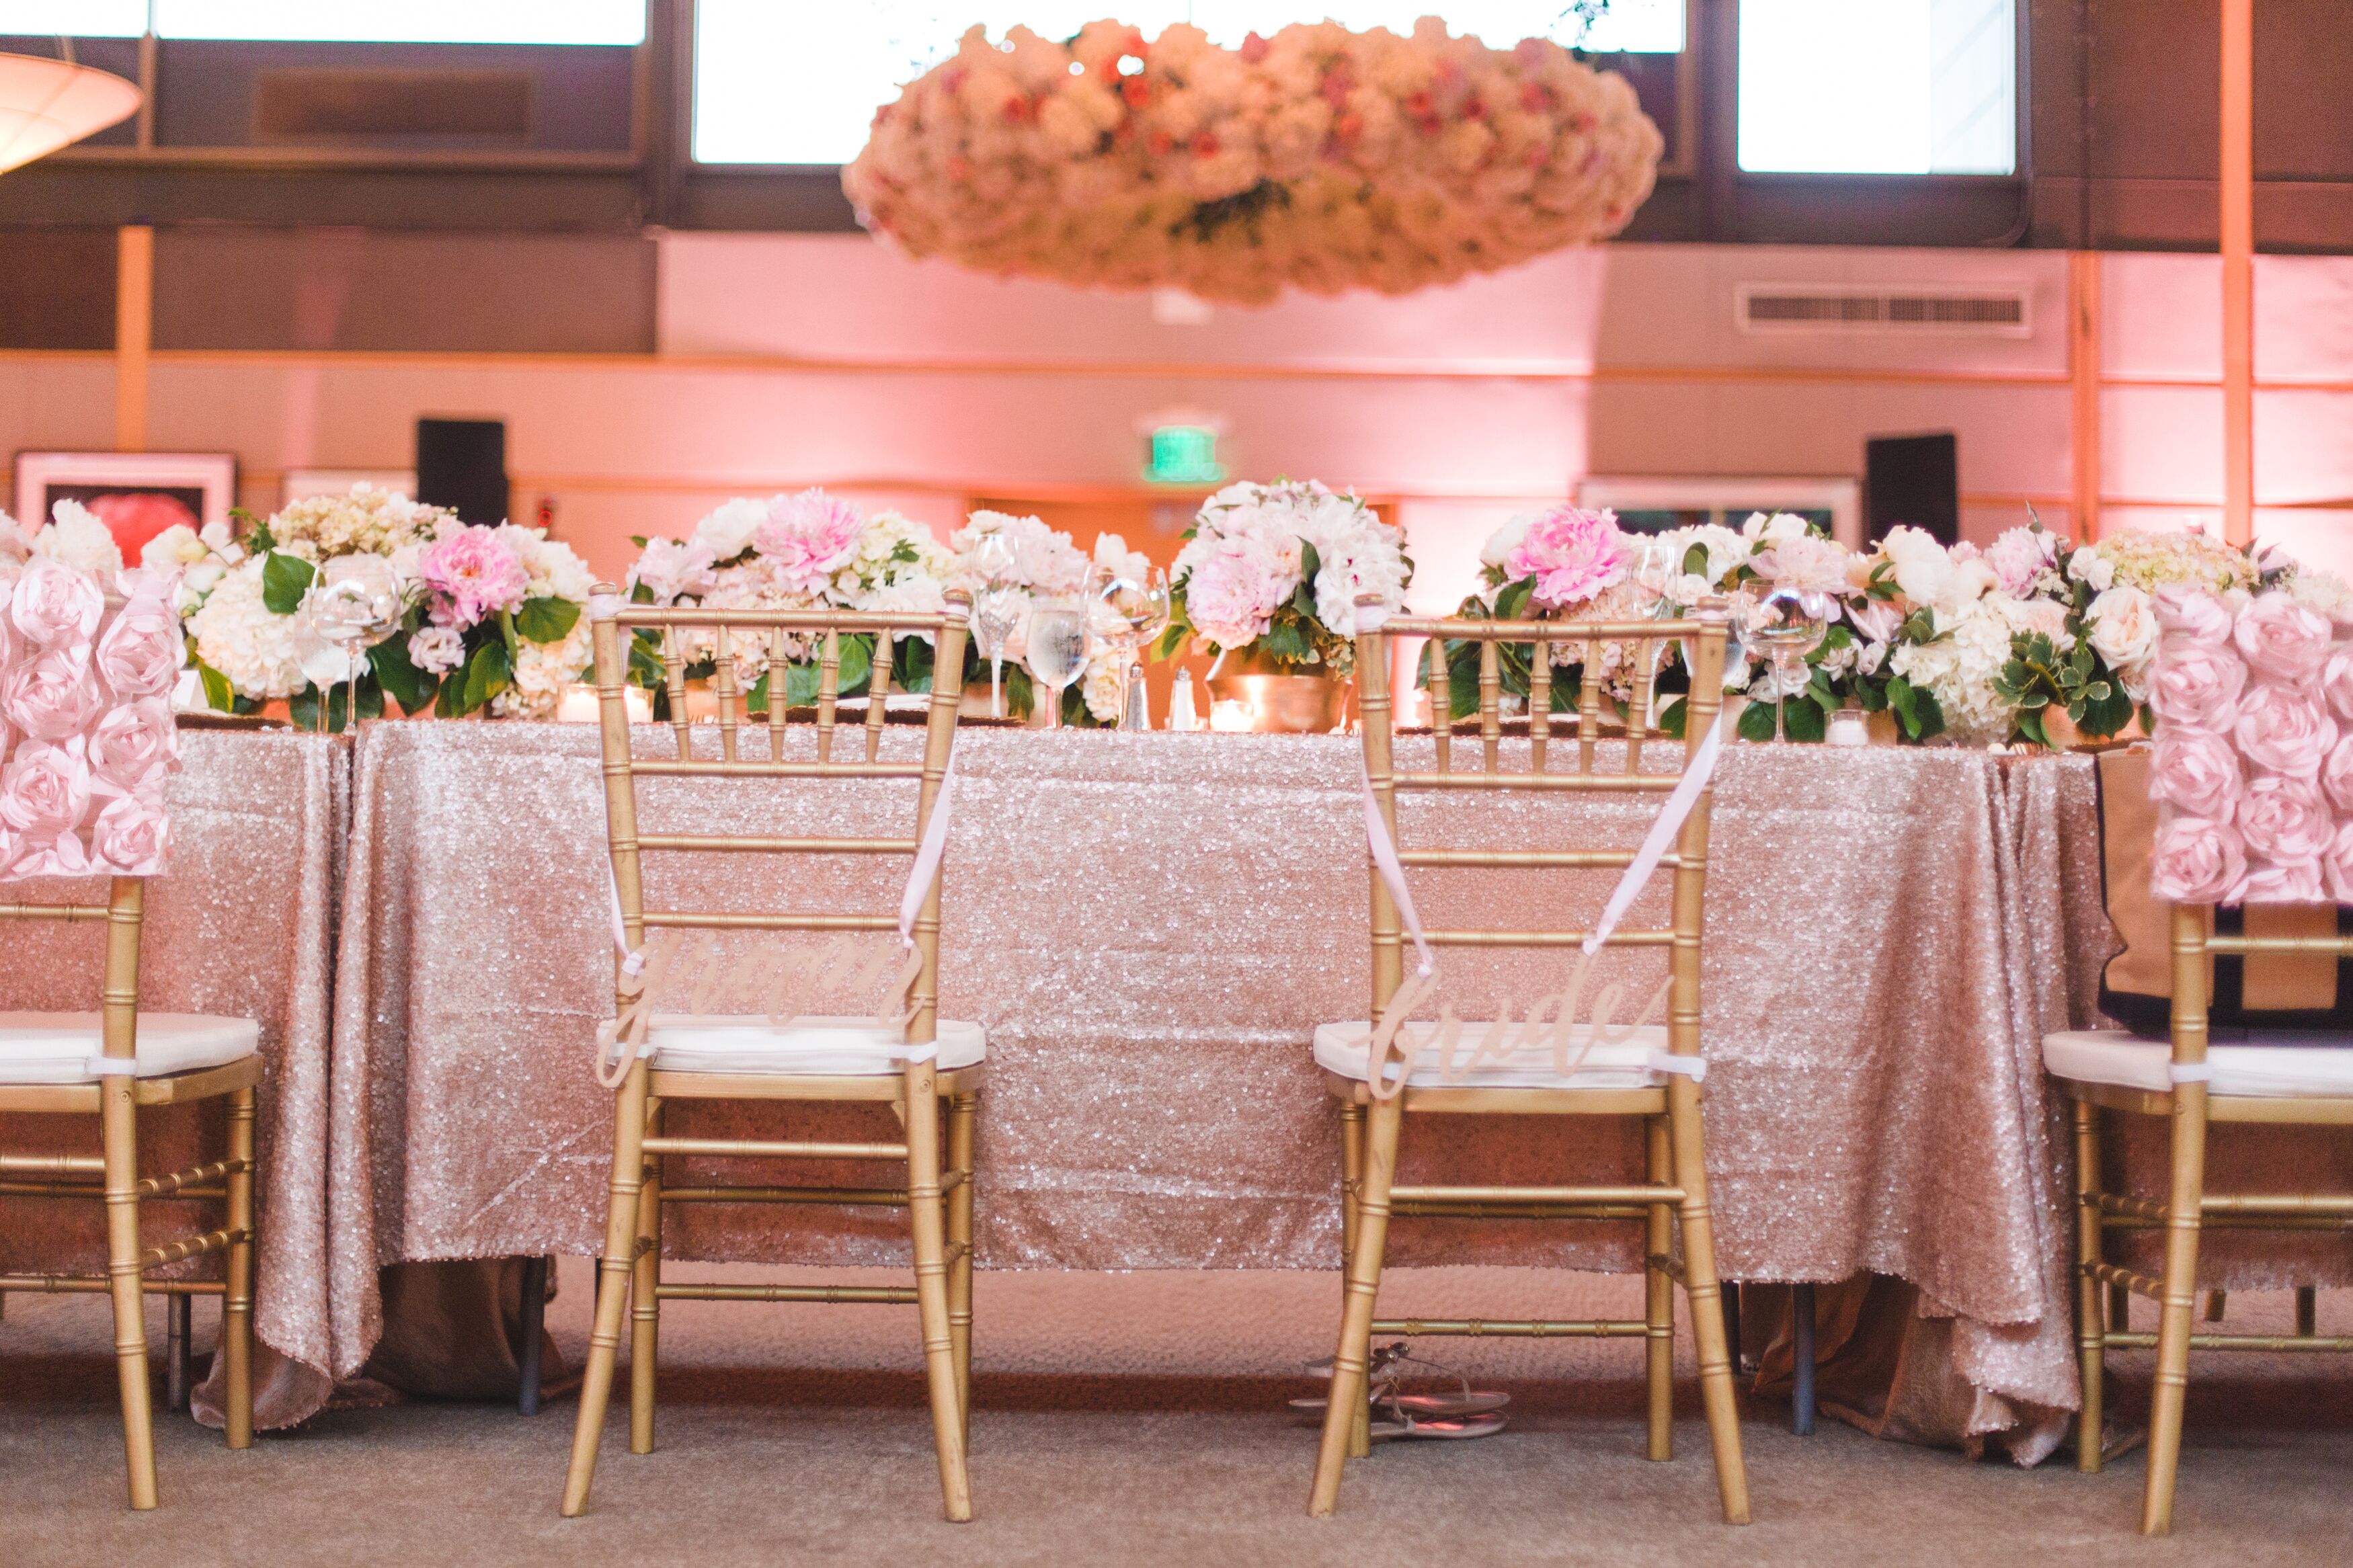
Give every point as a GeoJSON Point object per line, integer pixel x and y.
{"type": "Point", "coordinates": [789, 360]}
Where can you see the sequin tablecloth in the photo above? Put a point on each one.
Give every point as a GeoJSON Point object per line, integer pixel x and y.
{"type": "Point", "coordinates": [1151, 926]}
{"type": "Point", "coordinates": [242, 925]}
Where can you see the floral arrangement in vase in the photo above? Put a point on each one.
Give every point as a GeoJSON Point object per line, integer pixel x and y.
{"type": "Point", "coordinates": [1269, 575]}
{"type": "Point", "coordinates": [1017, 558]}
{"type": "Point", "coordinates": [805, 550]}
{"type": "Point", "coordinates": [87, 737]}
{"type": "Point", "coordinates": [485, 619]}
{"type": "Point", "coordinates": [1318, 159]}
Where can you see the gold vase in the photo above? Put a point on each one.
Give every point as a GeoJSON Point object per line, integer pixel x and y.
{"type": "Point", "coordinates": [1279, 703]}
{"type": "Point", "coordinates": [2066, 737]}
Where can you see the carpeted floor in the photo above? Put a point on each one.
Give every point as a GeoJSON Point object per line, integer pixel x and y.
{"type": "Point", "coordinates": [1122, 1419]}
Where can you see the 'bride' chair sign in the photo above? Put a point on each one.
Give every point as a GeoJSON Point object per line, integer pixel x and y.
{"type": "Point", "coordinates": [1550, 1061]}
{"type": "Point", "coordinates": [746, 1039]}
{"type": "Point", "coordinates": [88, 739]}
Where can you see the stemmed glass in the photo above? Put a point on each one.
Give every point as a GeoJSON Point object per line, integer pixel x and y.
{"type": "Point", "coordinates": [1059, 640]}
{"type": "Point", "coordinates": [996, 611]}
{"type": "Point", "coordinates": [1788, 624]}
{"type": "Point", "coordinates": [1141, 603]}
{"type": "Point", "coordinates": [355, 602]}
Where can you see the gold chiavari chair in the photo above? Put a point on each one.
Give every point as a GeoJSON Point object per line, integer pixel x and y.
{"type": "Point", "coordinates": [913, 1067]}
{"type": "Point", "coordinates": [2191, 1085]}
{"type": "Point", "coordinates": [111, 1064]}
{"type": "Point", "coordinates": [1653, 1073]}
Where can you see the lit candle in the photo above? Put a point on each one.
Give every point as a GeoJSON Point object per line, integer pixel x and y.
{"type": "Point", "coordinates": [579, 705]}
{"type": "Point", "coordinates": [1231, 718]}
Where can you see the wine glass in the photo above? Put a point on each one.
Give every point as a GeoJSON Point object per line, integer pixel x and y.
{"type": "Point", "coordinates": [353, 603]}
{"type": "Point", "coordinates": [1060, 637]}
{"type": "Point", "coordinates": [1140, 602]}
{"type": "Point", "coordinates": [1788, 624]}
{"type": "Point", "coordinates": [996, 610]}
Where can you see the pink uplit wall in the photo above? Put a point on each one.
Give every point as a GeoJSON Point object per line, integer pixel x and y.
{"type": "Point", "coordinates": [794, 360]}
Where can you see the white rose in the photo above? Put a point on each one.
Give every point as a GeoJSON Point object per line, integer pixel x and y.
{"type": "Point", "coordinates": [436, 649]}
{"type": "Point", "coordinates": [177, 545]}
{"type": "Point", "coordinates": [76, 537]}
{"type": "Point", "coordinates": [1772, 530]}
{"type": "Point", "coordinates": [2122, 628]}
{"type": "Point", "coordinates": [727, 530]}
{"type": "Point", "coordinates": [2092, 569]}
{"type": "Point", "coordinates": [1504, 540]}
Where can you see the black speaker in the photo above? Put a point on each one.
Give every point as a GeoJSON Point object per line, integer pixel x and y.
{"type": "Point", "coordinates": [1915, 479]}
{"type": "Point", "coordinates": [462, 463]}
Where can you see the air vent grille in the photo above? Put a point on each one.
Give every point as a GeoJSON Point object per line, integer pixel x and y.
{"type": "Point", "coordinates": [1997, 312]}
{"type": "Point", "coordinates": [315, 105]}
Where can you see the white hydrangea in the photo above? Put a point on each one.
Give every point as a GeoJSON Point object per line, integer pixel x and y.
{"type": "Point", "coordinates": [727, 529]}
{"type": "Point", "coordinates": [554, 570]}
{"type": "Point", "coordinates": [541, 671]}
{"type": "Point", "coordinates": [76, 537]}
{"type": "Point", "coordinates": [1958, 668]}
{"type": "Point", "coordinates": [260, 651]}
{"type": "Point", "coordinates": [365, 521]}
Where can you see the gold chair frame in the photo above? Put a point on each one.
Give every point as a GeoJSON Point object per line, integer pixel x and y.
{"type": "Point", "coordinates": [2105, 1325]}
{"type": "Point", "coordinates": [111, 1177]}
{"type": "Point", "coordinates": [939, 1201]}
{"type": "Point", "coordinates": [1371, 1127]}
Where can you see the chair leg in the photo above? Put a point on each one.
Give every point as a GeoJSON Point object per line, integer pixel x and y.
{"type": "Point", "coordinates": [1802, 1323]}
{"type": "Point", "coordinates": [612, 1285]}
{"type": "Point", "coordinates": [645, 1295]}
{"type": "Point", "coordinates": [1352, 1362]}
{"type": "Point", "coordinates": [237, 1300]}
{"type": "Point", "coordinates": [2307, 1311]}
{"type": "Point", "coordinates": [1352, 1175]}
{"type": "Point", "coordinates": [179, 1321]}
{"type": "Point", "coordinates": [119, 1128]}
{"type": "Point", "coordinates": [1659, 1298]}
{"type": "Point", "coordinates": [2091, 1330]}
{"type": "Point", "coordinates": [964, 1115]}
{"type": "Point", "coordinates": [2178, 1298]}
{"type": "Point", "coordinates": [2217, 1303]}
{"type": "Point", "coordinates": [925, 1218]}
{"type": "Point", "coordinates": [535, 1326]}
{"type": "Point", "coordinates": [1707, 1309]}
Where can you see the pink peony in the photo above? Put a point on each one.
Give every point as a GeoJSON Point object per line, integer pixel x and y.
{"type": "Point", "coordinates": [2283, 730]}
{"type": "Point", "coordinates": [134, 744]}
{"type": "Point", "coordinates": [2196, 773]}
{"type": "Point", "coordinates": [2284, 820]}
{"type": "Point", "coordinates": [807, 538]}
{"type": "Point", "coordinates": [2195, 860]}
{"type": "Point", "coordinates": [2282, 639]}
{"type": "Point", "coordinates": [472, 576]}
{"type": "Point", "coordinates": [1877, 619]}
{"type": "Point", "coordinates": [671, 568]}
{"type": "Point", "coordinates": [52, 697]}
{"type": "Point", "coordinates": [131, 837]}
{"type": "Point", "coordinates": [1232, 595]}
{"type": "Point", "coordinates": [2192, 614]}
{"type": "Point", "coordinates": [56, 604]}
{"type": "Point", "coordinates": [140, 653]}
{"type": "Point", "coordinates": [2195, 684]}
{"type": "Point", "coordinates": [2299, 883]}
{"type": "Point", "coordinates": [2019, 556]}
{"type": "Point", "coordinates": [44, 795]}
{"type": "Point", "coordinates": [1572, 554]}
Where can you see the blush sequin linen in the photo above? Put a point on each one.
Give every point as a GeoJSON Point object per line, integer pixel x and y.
{"type": "Point", "coordinates": [241, 926]}
{"type": "Point", "coordinates": [1151, 926]}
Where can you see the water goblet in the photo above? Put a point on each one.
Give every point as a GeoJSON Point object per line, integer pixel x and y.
{"type": "Point", "coordinates": [1140, 602]}
{"type": "Point", "coordinates": [353, 603]}
{"type": "Point", "coordinates": [996, 610]}
{"type": "Point", "coordinates": [1787, 625]}
{"type": "Point", "coordinates": [1059, 639]}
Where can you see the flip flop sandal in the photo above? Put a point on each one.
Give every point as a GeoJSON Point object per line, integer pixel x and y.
{"type": "Point", "coordinates": [1386, 1363]}
{"type": "Point", "coordinates": [1450, 1428]}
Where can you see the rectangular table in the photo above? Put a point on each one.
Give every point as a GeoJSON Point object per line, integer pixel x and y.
{"type": "Point", "coordinates": [1150, 927]}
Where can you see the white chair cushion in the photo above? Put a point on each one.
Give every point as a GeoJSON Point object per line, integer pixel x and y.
{"type": "Point", "coordinates": [1345, 1048]}
{"type": "Point", "coordinates": [2257, 1071]}
{"type": "Point", "coordinates": [815, 1047]}
{"type": "Point", "coordinates": [58, 1048]}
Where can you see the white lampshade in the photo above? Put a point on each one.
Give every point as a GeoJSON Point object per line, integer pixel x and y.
{"type": "Point", "coordinates": [43, 104]}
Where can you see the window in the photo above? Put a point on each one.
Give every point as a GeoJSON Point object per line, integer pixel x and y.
{"type": "Point", "coordinates": [619, 22]}
{"type": "Point", "coordinates": [1878, 87]}
{"type": "Point", "coordinates": [793, 84]}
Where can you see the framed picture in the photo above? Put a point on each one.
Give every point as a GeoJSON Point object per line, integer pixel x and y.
{"type": "Point", "coordinates": [137, 495]}
{"type": "Point", "coordinates": [1655, 504]}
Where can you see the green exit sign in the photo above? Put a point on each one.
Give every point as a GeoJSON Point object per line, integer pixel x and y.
{"type": "Point", "coordinates": [1184, 455]}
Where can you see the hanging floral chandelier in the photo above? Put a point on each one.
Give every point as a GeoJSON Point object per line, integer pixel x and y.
{"type": "Point", "coordinates": [1320, 159]}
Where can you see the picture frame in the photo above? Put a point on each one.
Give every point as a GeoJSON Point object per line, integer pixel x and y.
{"type": "Point", "coordinates": [137, 495]}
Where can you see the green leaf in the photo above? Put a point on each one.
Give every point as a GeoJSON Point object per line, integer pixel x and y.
{"type": "Point", "coordinates": [1805, 721]}
{"type": "Point", "coordinates": [482, 677]}
{"type": "Point", "coordinates": [410, 686]}
{"type": "Point", "coordinates": [507, 635]}
{"type": "Point", "coordinates": [547, 619]}
{"type": "Point", "coordinates": [1310, 563]}
{"type": "Point", "coordinates": [1756, 721]}
{"type": "Point", "coordinates": [2030, 725]}
{"type": "Point", "coordinates": [1286, 642]}
{"type": "Point", "coordinates": [1671, 717]}
{"type": "Point", "coordinates": [284, 580]}
{"type": "Point", "coordinates": [1696, 564]}
{"type": "Point", "coordinates": [1512, 604]}
{"type": "Point", "coordinates": [219, 695]}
